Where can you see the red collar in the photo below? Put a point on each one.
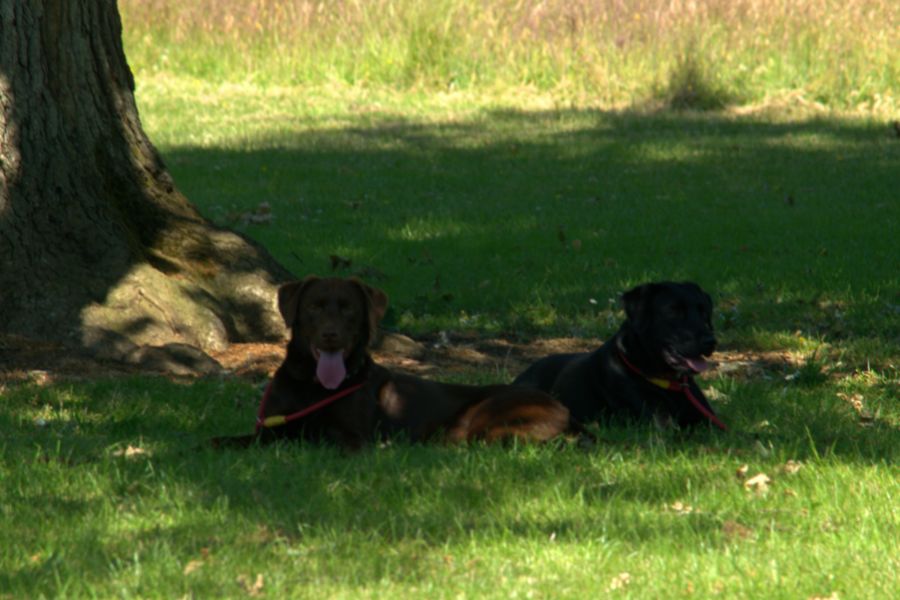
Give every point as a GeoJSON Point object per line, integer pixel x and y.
{"type": "Point", "coordinates": [276, 420]}
{"type": "Point", "coordinates": [674, 385]}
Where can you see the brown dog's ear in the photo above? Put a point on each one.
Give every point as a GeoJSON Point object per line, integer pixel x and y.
{"type": "Point", "coordinates": [289, 298]}
{"type": "Point", "coordinates": [376, 305]}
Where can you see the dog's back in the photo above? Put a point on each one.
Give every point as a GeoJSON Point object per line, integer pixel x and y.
{"type": "Point", "coordinates": [542, 374]}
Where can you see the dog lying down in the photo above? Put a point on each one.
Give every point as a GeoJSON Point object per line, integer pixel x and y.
{"type": "Point", "coordinates": [329, 389]}
{"type": "Point", "coordinates": [645, 372]}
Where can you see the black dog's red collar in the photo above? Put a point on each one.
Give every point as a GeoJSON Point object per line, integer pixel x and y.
{"type": "Point", "coordinates": [674, 385]}
{"type": "Point", "coordinates": [276, 420]}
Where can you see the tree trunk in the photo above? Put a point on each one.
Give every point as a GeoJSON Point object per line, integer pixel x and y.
{"type": "Point", "coordinates": [97, 247]}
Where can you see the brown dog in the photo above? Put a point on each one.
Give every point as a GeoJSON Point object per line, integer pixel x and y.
{"type": "Point", "coordinates": [332, 321]}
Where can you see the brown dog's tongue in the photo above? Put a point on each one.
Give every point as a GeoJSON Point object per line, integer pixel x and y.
{"type": "Point", "coordinates": [330, 369]}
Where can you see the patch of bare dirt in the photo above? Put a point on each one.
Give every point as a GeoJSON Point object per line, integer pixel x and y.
{"type": "Point", "coordinates": [23, 360]}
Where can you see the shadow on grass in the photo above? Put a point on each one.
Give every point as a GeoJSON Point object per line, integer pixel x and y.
{"type": "Point", "coordinates": [531, 221]}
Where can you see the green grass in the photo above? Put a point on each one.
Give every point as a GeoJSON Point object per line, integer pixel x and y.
{"type": "Point", "coordinates": [83, 516]}
{"type": "Point", "coordinates": [520, 203]}
{"type": "Point", "coordinates": [842, 53]}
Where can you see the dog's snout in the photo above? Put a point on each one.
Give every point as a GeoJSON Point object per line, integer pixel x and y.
{"type": "Point", "coordinates": [329, 335]}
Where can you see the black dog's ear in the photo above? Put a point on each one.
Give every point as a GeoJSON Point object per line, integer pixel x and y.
{"type": "Point", "coordinates": [635, 299]}
{"type": "Point", "coordinates": [376, 304]}
{"type": "Point", "coordinates": [289, 298]}
{"type": "Point", "coordinates": [700, 291]}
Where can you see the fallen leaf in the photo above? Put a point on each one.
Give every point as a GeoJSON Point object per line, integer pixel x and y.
{"type": "Point", "coordinates": [681, 508]}
{"type": "Point", "coordinates": [742, 471]}
{"type": "Point", "coordinates": [759, 483]}
{"type": "Point", "coordinates": [192, 566]}
{"type": "Point", "coordinates": [855, 400]}
{"type": "Point", "coordinates": [252, 589]}
{"type": "Point", "coordinates": [619, 581]}
{"type": "Point", "coordinates": [733, 529]}
{"type": "Point", "coordinates": [791, 467]}
{"type": "Point", "coordinates": [130, 451]}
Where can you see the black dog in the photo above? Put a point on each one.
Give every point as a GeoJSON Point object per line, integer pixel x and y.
{"type": "Point", "coordinates": [329, 389]}
{"type": "Point", "coordinates": [645, 371]}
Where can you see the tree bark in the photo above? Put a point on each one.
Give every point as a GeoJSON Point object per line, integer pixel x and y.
{"type": "Point", "coordinates": [97, 247]}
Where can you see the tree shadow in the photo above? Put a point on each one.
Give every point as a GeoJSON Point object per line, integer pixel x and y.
{"type": "Point", "coordinates": [509, 211]}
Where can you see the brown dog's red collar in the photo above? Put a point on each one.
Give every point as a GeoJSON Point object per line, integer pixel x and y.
{"type": "Point", "coordinates": [674, 385]}
{"type": "Point", "coordinates": [276, 420]}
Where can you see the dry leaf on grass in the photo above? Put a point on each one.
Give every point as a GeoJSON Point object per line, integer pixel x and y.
{"type": "Point", "coordinates": [742, 471]}
{"type": "Point", "coordinates": [791, 467]}
{"type": "Point", "coordinates": [680, 508]}
{"type": "Point", "coordinates": [856, 401]}
{"type": "Point", "coordinates": [130, 451]}
{"type": "Point", "coordinates": [759, 483]}
{"type": "Point", "coordinates": [252, 589]}
{"type": "Point", "coordinates": [619, 581]}
{"type": "Point", "coordinates": [733, 529]}
{"type": "Point", "coordinates": [192, 566]}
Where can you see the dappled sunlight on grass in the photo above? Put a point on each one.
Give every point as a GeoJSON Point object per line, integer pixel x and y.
{"type": "Point", "coordinates": [418, 230]}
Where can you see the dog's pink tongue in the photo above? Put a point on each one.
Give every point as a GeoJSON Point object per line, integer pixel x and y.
{"type": "Point", "coordinates": [330, 369]}
{"type": "Point", "coordinates": [698, 365]}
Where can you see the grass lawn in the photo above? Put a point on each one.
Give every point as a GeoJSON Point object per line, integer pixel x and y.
{"type": "Point", "coordinates": [506, 214]}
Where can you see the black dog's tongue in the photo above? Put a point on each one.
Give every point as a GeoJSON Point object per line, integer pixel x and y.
{"type": "Point", "coordinates": [682, 364]}
{"type": "Point", "coordinates": [697, 365]}
{"type": "Point", "coordinates": [330, 369]}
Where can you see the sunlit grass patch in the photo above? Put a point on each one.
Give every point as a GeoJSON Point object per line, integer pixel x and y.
{"type": "Point", "coordinates": [831, 52]}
